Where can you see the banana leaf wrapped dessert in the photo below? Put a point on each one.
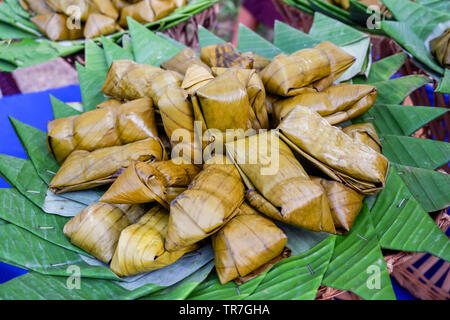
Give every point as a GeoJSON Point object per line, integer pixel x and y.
{"type": "Point", "coordinates": [143, 182]}
{"type": "Point", "coordinates": [338, 155]}
{"type": "Point", "coordinates": [53, 25]}
{"type": "Point", "coordinates": [141, 245]}
{"type": "Point", "coordinates": [255, 92]}
{"type": "Point", "coordinates": [96, 229]}
{"type": "Point", "coordinates": [345, 203]}
{"type": "Point", "coordinates": [336, 104]}
{"type": "Point", "coordinates": [111, 125]}
{"type": "Point", "coordinates": [146, 11]}
{"type": "Point", "coordinates": [83, 169]}
{"type": "Point", "coordinates": [440, 48]}
{"type": "Point", "coordinates": [196, 76]}
{"type": "Point", "coordinates": [77, 8]}
{"type": "Point", "coordinates": [232, 100]}
{"type": "Point", "coordinates": [183, 60]}
{"type": "Point", "coordinates": [129, 80]}
{"type": "Point", "coordinates": [364, 133]}
{"type": "Point", "coordinates": [99, 24]}
{"type": "Point", "coordinates": [120, 4]}
{"type": "Point", "coordinates": [259, 63]}
{"type": "Point", "coordinates": [226, 56]}
{"type": "Point", "coordinates": [245, 243]}
{"type": "Point", "coordinates": [106, 8]}
{"type": "Point", "coordinates": [209, 202]}
{"type": "Point", "coordinates": [36, 6]}
{"type": "Point", "coordinates": [277, 185]}
{"type": "Point", "coordinates": [306, 70]}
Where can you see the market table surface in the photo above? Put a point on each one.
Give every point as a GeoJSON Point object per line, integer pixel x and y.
{"type": "Point", "coordinates": [35, 109]}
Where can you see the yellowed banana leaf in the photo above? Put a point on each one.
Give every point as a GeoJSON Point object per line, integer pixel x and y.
{"type": "Point", "coordinates": [307, 70]}
{"type": "Point", "coordinates": [225, 55]}
{"type": "Point", "coordinates": [81, 8]}
{"type": "Point", "coordinates": [141, 245]}
{"type": "Point", "coordinates": [133, 211]}
{"type": "Point", "coordinates": [120, 4]}
{"type": "Point", "coordinates": [146, 11]}
{"type": "Point", "coordinates": [112, 125]}
{"type": "Point", "coordinates": [345, 203]}
{"type": "Point", "coordinates": [107, 8]}
{"type": "Point", "coordinates": [269, 104]}
{"type": "Point", "coordinates": [129, 80]}
{"type": "Point", "coordinates": [180, 3]}
{"type": "Point", "coordinates": [223, 103]}
{"type": "Point", "coordinates": [255, 92]}
{"type": "Point", "coordinates": [96, 229]}
{"type": "Point", "coordinates": [245, 243]}
{"type": "Point", "coordinates": [440, 48]}
{"type": "Point", "coordinates": [36, 6]}
{"type": "Point", "coordinates": [53, 25]}
{"type": "Point", "coordinates": [109, 103]}
{"type": "Point", "coordinates": [336, 104]}
{"type": "Point", "coordinates": [141, 12]}
{"type": "Point", "coordinates": [338, 155]}
{"type": "Point", "coordinates": [364, 133]}
{"type": "Point", "coordinates": [210, 201]}
{"type": "Point", "coordinates": [196, 76]}
{"type": "Point", "coordinates": [259, 63]}
{"type": "Point", "coordinates": [178, 120]}
{"type": "Point", "coordinates": [143, 182]}
{"type": "Point", "coordinates": [98, 25]}
{"type": "Point", "coordinates": [183, 60]}
{"type": "Point", "coordinates": [84, 169]}
{"type": "Point", "coordinates": [277, 184]}
{"type": "Point", "coordinates": [162, 8]}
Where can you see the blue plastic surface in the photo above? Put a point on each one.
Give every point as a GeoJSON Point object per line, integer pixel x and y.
{"type": "Point", "coordinates": [33, 109]}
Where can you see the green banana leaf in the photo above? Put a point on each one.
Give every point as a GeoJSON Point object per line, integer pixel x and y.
{"type": "Point", "coordinates": [355, 256]}
{"type": "Point", "coordinates": [399, 119]}
{"type": "Point", "coordinates": [416, 21]}
{"type": "Point", "coordinates": [297, 277]}
{"type": "Point", "coordinates": [416, 152]}
{"type": "Point", "coordinates": [402, 224]}
{"type": "Point", "coordinates": [429, 188]}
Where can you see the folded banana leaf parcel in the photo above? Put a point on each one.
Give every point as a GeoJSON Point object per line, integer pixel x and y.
{"type": "Point", "coordinates": [440, 48]}
{"type": "Point", "coordinates": [246, 243]}
{"type": "Point", "coordinates": [337, 154]}
{"type": "Point", "coordinates": [307, 70]}
{"type": "Point", "coordinates": [129, 80]}
{"type": "Point", "coordinates": [277, 185]}
{"type": "Point", "coordinates": [73, 19]}
{"type": "Point", "coordinates": [234, 99]}
{"type": "Point", "coordinates": [336, 104]}
{"type": "Point", "coordinates": [96, 229]}
{"type": "Point", "coordinates": [111, 124]}
{"type": "Point", "coordinates": [144, 182]}
{"type": "Point", "coordinates": [84, 169]}
{"type": "Point", "coordinates": [209, 203]}
{"type": "Point", "coordinates": [140, 247]}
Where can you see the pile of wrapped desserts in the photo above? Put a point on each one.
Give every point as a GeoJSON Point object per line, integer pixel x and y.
{"type": "Point", "coordinates": [76, 19]}
{"type": "Point", "coordinates": [223, 148]}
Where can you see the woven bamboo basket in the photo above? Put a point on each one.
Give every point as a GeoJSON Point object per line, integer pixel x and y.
{"type": "Point", "coordinates": [416, 272]}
